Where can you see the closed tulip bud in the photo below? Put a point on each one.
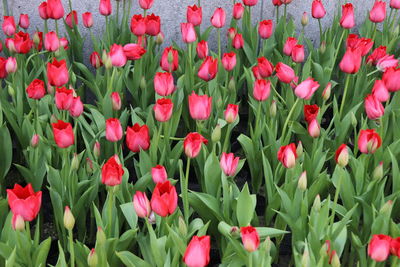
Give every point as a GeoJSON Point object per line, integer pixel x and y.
{"type": "Point", "coordinates": [18, 223]}
{"type": "Point", "coordinates": [116, 101]}
{"type": "Point", "coordinates": [353, 119]}
{"type": "Point", "coordinates": [92, 259]}
{"type": "Point", "coordinates": [188, 32]}
{"type": "Point", "coordinates": [302, 183]}
{"type": "Point", "coordinates": [202, 49]}
{"type": "Point", "coordinates": [238, 11]}
{"type": "Point", "coordinates": [11, 65]}
{"type": "Point", "coordinates": [379, 247]}
{"type": "Point", "coordinates": [232, 84]}
{"type": "Point", "coordinates": [182, 226]}
{"type": "Point", "coordinates": [53, 119]}
{"type": "Point", "coordinates": [304, 19]}
{"type": "Point", "coordinates": [342, 156]}
{"type": "Point", "coordinates": [335, 261]}
{"type": "Point", "coordinates": [100, 236]}
{"type": "Point", "coordinates": [35, 140]}
{"type": "Point", "coordinates": [143, 83]}
{"type": "Point", "coordinates": [69, 220]}
{"type": "Point", "coordinates": [317, 204]}
{"type": "Point", "coordinates": [378, 171]}
{"type": "Point", "coordinates": [250, 238]}
{"type": "Point", "coordinates": [226, 229]}
{"type": "Point", "coordinates": [216, 134]}
{"type": "Point", "coordinates": [152, 218]}
{"type": "Point", "coordinates": [75, 162]}
{"type": "Point", "coordinates": [272, 108]}
{"type": "Point", "coordinates": [89, 166]}
{"type": "Point", "coordinates": [314, 130]}
{"type": "Point", "coordinates": [238, 41]}
{"type": "Point", "coordinates": [106, 60]}
{"type": "Point", "coordinates": [231, 33]}
{"type": "Point", "coordinates": [11, 91]}
{"type": "Point", "coordinates": [299, 149]}
{"type": "Point", "coordinates": [160, 38]}
{"type": "Point", "coordinates": [326, 94]}
{"type": "Point", "coordinates": [198, 251]}
{"type": "Point", "coordinates": [386, 209]}
{"type": "Point", "coordinates": [231, 113]}
{"type": "Point", "coordinates": [305, 259]}
{"type": "Point", "coordinates": [96, 149]}
{"type": "Point", "coordinates": [322, 47]}
{"type": "Point", "coordinates": [141, 204]}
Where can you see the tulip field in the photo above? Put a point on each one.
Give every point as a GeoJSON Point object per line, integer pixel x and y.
{"type": "Point", "coordinates": [263, 148]}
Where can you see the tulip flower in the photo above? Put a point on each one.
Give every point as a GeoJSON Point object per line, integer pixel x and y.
{"type": "Point", "coordinates": [304, 19]}
{"type": "Point", "coordinates": [22, 43]}
{"type": "Point", "coordinates": [95, 60]}
{"type": "Point", "coordinates": [250, 238]}
{"type": "Point", "coordinates": [192, 144]}
{"type": "Point", "coordinates": [8, 26]}
{"type": "Point", "coordinates": [306, 89]}
{"type": "Point", "coordinates": [141, 204]}
{"type": "Point", "coordinates": [51, 42]}
{"type": "Point", "coordinates": [395, 242]}
{"type": "Point", "coordinates": [395, 4]}
{"type": "Point", "coordinates": [112, 172]}
{"type": "Point", "coordinates": [363, 44]}
{"type": "Point", "coordinates": [153, 25]}
{"type": "Point", "coordinates": [200, 106]}
{"type": "Point", "coordinates": [231, 113]}
{"type": "Point", "coordinates": [231, 33]}
{"type": "Point", "coordinates": [373, 107]}
{"type": "Point", "coordinates": [347, 19]}
{"type": "Point", "coordinates": [229, 61]}
{"type": "Point", "coordinates": [55, 9]}
{"type": "Point", "coordinates": [87, 18]}
{"type": "Point", "coordinates": [342, 156]}
{"type": "Point", "coordinates": [194, 15]}
{"type": "Point", "coordinates": [289, 44]}
{"type": "Point", "coordinates": [188, 33]}
{"type": "Point", "coordinates": [163, 109]}
{"type": "Point", "coordinates": [24, 21]}
{"type": "Point", "coordinates": [76, 108]}
{"type": "Point", "coordinates": [169, 59]}
{"type": "Point", "coordinates": [69, 220]}
{"type": "Point", "coordinates": [134, 51]}
{"type": "Point", "coordinates": [43, 10]}
{"type": "Point", "coordinates": [317, 9]}
{"type": "Point", "coordinates": [376, 55]}
{"type": "Point", "coordinates": [164, 199]}
{"type": "Point", "coordinates": [63, 98]}
{"type": "Point", "coordinates": [63, 134]}
{"type": "Point", "coordinates": [379, 247]}
{"type": "Point", "coordinates": [218, 18]}
{"type": "Point", "coordinates": [164, 83]}
{"type": "Point", "coordinates": [351, 61]}
{"type": "Point", "coordinates": [287, 155]}
{"type": "Point", "coordinates": [117, 55]}
{"type": "Point", "coordinates": [113, 130]}
{"type": "Point", "coordinates": [388, 61]}
{"type": "Point", "coordinates": [265, 67]}
{"type": "Point", "coordinates": [391, 78]}
{"type": "Point", "coordinates": [3, 72]}
{"type": "Point", "coordinates": [314, 129]}
{"type": "Point", "coordinates": [265, 29]}
{"type": "Point", "coordinates": [36, 89]}
{"type": "Point", "coordinates": [208, 69]}
{"type": "Point", "coordinates": [197, 253]}
{"type": "Point", "coordinates": [11, 65]}
{"type": "Point", "coordinates": [277, 2]}
{"type": "Point", "coordinates": [38, 40]}
{"type": "Point", "coordinates": [369, 141]}
{"type": "Point", "coordinates": [64, 43]}
{"type": "Point", "coordinates": [202, 49]}
{"type": "Point", "coordinates": [237, 41]}
{"type": "Point", "coordinates": [72, 19]}
{"type": "Point", "coordinates": [24, 201]}
{"type": "Point", "coordinates": [138, 25]}
{"type": "Point", "coordinates": [146, 4]}
{"type": "Point", "coordinates": [105, 7]}
{"type": "Point", "coordinates": [261, 90]}
{"type": "Point", "coordinates": [159, 174]}
{"type": "Point", "coordinates": [380, 92]}
{"type": "Point", "coordinates": [298, 53]}
{"type": "Point", "coordinates": [284, 73]}
{"type": "Point", "coordinates": [378, 12]}
{"type": "Point", "coordinates": [57, 72]}
{"type": "Point", "coordinates": [17, 223]}
{"type": "Point", "coordinates": [137, 138]}
{"type": "Point", "coordinates": [310, 112]}
{"type": "Point", "coordinates": [229, 163]}
{"type": "Point", "coordinates": [115, 101]}
{"type": "Point", "coordinates": [238, 11]}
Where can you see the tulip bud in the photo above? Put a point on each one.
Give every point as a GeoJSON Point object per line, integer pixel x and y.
{"type": "Point", "coordinates": [305, 259]}
{"type": "Point", "coordinates": [96, 149]}
{"type": "Point", "coordinates": [386, 208]}
{"type": "Point", "coordinates": [317, 204]}
{"type": "Point", "coordinates": [116, 101]}
{"type": "Point", "coordinates": [36, 39]}
{"type": "Point", "coordinates": [89, 166]}
{"type": "Point", "coordinates": [325, 248]}
{"type": "Point", "coordinates": [353, 119]}
{"type": "Point", "coordinates": [226, 229]}
{"type": "Point", "coordinates": [302, 183]}
{"type": "Point", "coordinates": [75, 162]}
{"type": "Point", "coordinates": [322, 48]}
{"type": "Point", "coordinates": [18, 223]}
{"type": "Point", "coordinates": [272, 109]}
{"type": "Point", "coordinates": [106, 60]}
{"type": "Point", "coordinates": [378, 172]}
{"type": "Point", "coordinates": [92, 259]}
{"type": "Point", "coordinates": [11, 65]}
{"type": "Point", "coordinates": [11, 91]}
{"type": "Point", "coordinates": [35, 140]}
{"type": "Point", "coordinates": [216, 134]}
{"type": "Point", "coordinates": [160, 38]}
{"type": "Point", "coordinates": [299, 149]}
{"type": "Point", "coordinates": [232, 84]}
{"type": "Point", "coordinates": [304, 19]}
{"type": "Point", "coordinates": [143, 83]}
{"type": "Point", "coordinates": [335, 262]}
{"type": "Point", "coordinates": [266, 245]}
{"type": "Point", "coordinates": [152, 218]}
{"type": "Point", "coordinates": [314, 129]}
{"type": "Point", "coordinates": [326, 94]}
{"type": "Point", "coordinates": [235, 231]}
{"type": "Point", "coordinates": [342, 156]}
{"type": "Point", "coordinates": [182, 226]}
{"type": "Point", "coordinates": [69, 220]}
{"type": "Point", "coordinates": [100, 236]}
{"type": "Point", "coordinates": [53, 119]}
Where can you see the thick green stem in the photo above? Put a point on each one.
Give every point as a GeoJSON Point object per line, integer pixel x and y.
{"type": "Point", "coordinates": [185, 185]}
{"type": "Point", "coordinates": [258, 115]}
{"type": "Point", "coordinates": [71, 247]}
{"type": "Point", "coordinates": [110, 209]}
{"type": "Point", "coordinates": [335, 200]}
{"type": "Point", "coordinates": [227, 138]}
{"type": "Point", "coordinates": [320, 31]}
{"type": "Point", "coordinates": [289, 116]}
{"type": "Point", "coordinates": [219, 44]}
{"type": "Point", "coordinates": [344, 95]}
{"type": "Point", "coordinates": [374, 32]}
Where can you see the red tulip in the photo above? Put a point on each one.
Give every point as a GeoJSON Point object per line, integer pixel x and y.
{"type": "Point", "coordinates": [218, 18]}
{"type": "Point", "coordinates": [306, 89]}
{"type": "Point", "coordinates": [72, 19]}
{"type": "Point", "coordinates": [395, 4]}
{"type": "Point", "coordinates": [287, 155]}
{"type": "Point", "coordinates": [256, 72]}
{"type": "Point", "coordinates": [35, 89]}
{"type": "Point", "coordinates": [202, 49]}
{"type": "Point", "coordinates": [250, 238]}
{"type": "Point", "coordinates": [310, 112]}
{"type": "Point", "coordinates": [237, 41]}
{"type": "Point", "coordinates": [378, 12]}
{"type": "Point", "coordinates": [363, 44]}
{"type": "Point", "coordinates": [141, 204]}
{"type": "Point", "coordinates": [64, 43]}
{"type": "Point", "coordinates": [342, 155]}
{"type": "Point", "coordinates": [250, 2]}
{"type": "Point", "coordinates": [113, 130]}
{"type": "Point", "coordinates": [146, 4]}
{"type": "Point", "coordinates": [395, 246]}
{"type": "Point", "coordinates": [194, 15]}
{"type": "Point", "coordinates": [76, 108]}
{"type": "Point", "coordinates": [229, 163]}
{"type": "Point", "coordinates": [38, 40]}
{"type": "Point", "coordinates": [208, 69]}
{"type": "Point", "coordinates": [379, 247]}
{"type": "Point", "coordinates": [289, 44]}
{"type": "Point", "coordinates": [159, 174]}
{"type": "Point", "coordinates": [200, 106]}
{"type": "Point", "coordinates": [57, 72]}
{"type": "Point", "coordinates": [164, 199]}
{"type": "Point", "coordinates": [351, 61]}
{"type": "Point", "coordinates": [105, 7]}
{"type": "Point", "coordinates": [153, 24]}
{"type": "Point", "coordinates": [138, 25]}
{"type": "Point", "coordinates": [169, 59]}
{"type": "Point", "coordinates": [11, 65]}
{"type": "Point", "coordinates": [284, 73]}
{"type": "Point", "coordinates": [164, 83]}
{"type": "Point", "coordinates": [163, 109]}
{"type": "Point", "coordinates": [380, 92]}
{"type": "Point", "coordinates": [238, 11]}
{"type": "Point", "coordinates": [192, 144]}
{"type": "Point", "coordinates": [55, 9]}
{"type": "Point", "coordinates": [87, 18]}
{"type": "Point", "coordinates": [3, 72]}
{"type": "Point", "coordinates": [261, 90]}
{"type": "Point", "coordinates": [265, 67]}
{"type": "Point", "coordinates": [318, 9]}
{"type": "Point", "coordinates": [369, 141]}
{"type": "Point", "coordinates": [112, 172]}
{"type": "Point", "coordinates": [117, 55]}
{"type": "Point", "coordinates": [265, 29]}
{"type": "Point", "coordinates": [9, 25]}
{"type": "Point", "coordinates": [22, 43]}
{"type": "Point", "coordinates": [24, 201]}
{"type": "Point", "coordinates": [376, 55]}
{"type": "Point", "coordinates": [63, 134]}
{"type": "Point", "coordinates": [373, 107]}
{"type": "Point", "coordinates": [134, 51]}
{"type": "Point", "coordinates": [64, 98]}
{"type": "Point", "coordinates": [229, 61]}
{"type": "Point", "coordinates": [138, 138]}
{"type": "Point", "coordinates": [347, 19]}
{"type": "Point", "coordinates": [43, 10]}
{"type": "Point", "coordinates": [391, 77]}
{"type": "Point", "coordinates": [24, 21]}
{"type": "Point", "coordinates": [188, 33]}
{"type": "Point", "coordinates": [51, 42]}
{"type": "Point", "coordinates": [314, 129]}
{"type": "Point", "coordinates": [231, 113]}
{"type": "Point", "coordinates": [95, 60]}
{"type": "Point", "coordinates": [298, 53]}
{"type": "Point", "coordinates": [197, 253]}
{"type": "Point", "coordinates": [277, 2]}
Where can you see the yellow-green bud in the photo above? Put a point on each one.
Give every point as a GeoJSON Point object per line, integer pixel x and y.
{"type": "Point", "coordinates": [100, 236]}
{"type": "Point", "coordinates": [216, 134]}
{"type": "Point", "coordinates": [299, 149]}
{"type": "Point", "coordinates": [69, 220]}
{"type": "Point", "coordinates": [92, 259]}
{"type": "Point", "coordinates": [335, 262]}
{"type": "Point", "coordinates": [317, 203]}
{"type": "Point", "coordinates": [143, 83]}
{"type": "Point", "coordinates": [182, 226]}
{"type": "Point", "coordinates": [232, 84]}
{"type": "Point", "coordinates": [378, 172]}
{"type": "Point", "coordinates": [272, 109]}
{"type": "Point", "coordinates": [11, 91]}
{"type": "Point", "coordinates": [75, 162]}
{"type": "Point", "coordinates": [304, 19]}
{"type": "Point", "coordinates": [302, 183]}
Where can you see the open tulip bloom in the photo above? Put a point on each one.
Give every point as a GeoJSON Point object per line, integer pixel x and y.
{"type": "Point", "coordinates": [240, 140]}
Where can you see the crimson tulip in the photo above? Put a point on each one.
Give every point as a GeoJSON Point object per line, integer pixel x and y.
{"type": "Point", "coordinates": [194, 15]}
{"type": "Point", "coordinates": [164, 199]}
{"type": "Point", "coordinates": [36, 89]}
{"type": "Point", "coordinates": [159, 174]}
{"type": "Point", "coordinates": [369, 141]}
{"type": "Point", "coordinates": [287, 155]}
{"type": "Point", "coordinates": [208, 69]}
{"type": "Point", "coordinates": [55, 9]}
{"type": "Point", "coordinates": [112, 172]}
{"type": "Point", "coordinates": [250, 238]}
{"type": "Point", "coordinates": [63, 98]}
{"type": "Point", "coordinates": [113, 130]}
{"type": "Point", "coordinates": [24, 201]}
{"type": "Point", "coordinates": [57, 72]}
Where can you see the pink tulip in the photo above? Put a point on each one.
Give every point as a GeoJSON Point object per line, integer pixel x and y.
{"type": "Point", "coordinates": [76, 108]}
{"type": "Point", "coordinates": [105, 7]}
{"type": "Point", "coordinates": [318, 9]}
{"type": "Point", "coordinates": [194, 15]}
{"type": "Point", "coordinates": [197, 253]}
{"type": "Point", "coordinates": [229, 61]}
{"type": "Point", "coordinates": [192, 144]}
{"type": "Point", "coordinates": [231, 113]}
{"type": "Point", "coordinates": [200, 106]}
{"type": "Point", "coordinates": [202, 49]}
{"type": "Point", "coordinates": [284, 73]}
{"type": "Point", "coordinates": [380, 92]}
{"type": "Point", "coordinates": [289, 44]}
{"type": "Point", "coordinates": [287, 155]}
{"type": "Point", "coordinates": [265, 29]}
{"type": "Point", "coordinates": [229, 163]}
{"type": "Point", "coordinates": [51, 42]}
{"type": "Point", "coordinates": [218, 18]}
{"type": "Point", "coordinates": [141, 204]}
{"type": "Point", "coordinates": [164, 83]}
{"type": "Point", "coordinates": [113, 130]}
{"type": "Point", "coordinates": [347, 19]}
{"type": "Point", "coordinates": [379, 247]}
{"type": "Point", "coordinates": [378, 12]}
{"type": "Point", "coordinates": [24, 21]}
{"type": "Point", "coordinates": [208, 69]}
{"type": "Point", "coordinates": [391, 77]}
{"type": "Point", "coordinates": [261, 90]}
{"type": "Point", "coordinates": [298, 53]}
{"type": "Point", "coordinates": [163, 109]}
{"type": "Point", "coordinates": [306, 89]}
{"type": "Point", "coordinates": [373, 107]}
{"type": "Point", "coordinates": [314, 129]}
{"type": "Point", "coordinates": [87, 18]}
{"type": "Point", "coordinates": [188, 33]}
{"type": "Point", "coordinates": [369, 141]}
{"type": "Point", "coordinates": [237, 41]}
{"type": "Point", "coordinates": [117, 55]}
{"type": "Point", "coordinates": [238, 11]}
{"type": "Point", "coordinates": [115, 100]}
{"type": "Point", "coordinates": [159, 174]}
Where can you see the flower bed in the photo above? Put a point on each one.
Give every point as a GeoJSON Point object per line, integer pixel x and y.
{"type": "Point", "coordinates": [268, 151]}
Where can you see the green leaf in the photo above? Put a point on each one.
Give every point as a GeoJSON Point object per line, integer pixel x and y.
{"type": "Point", "coordinates": [42, 252]}
{"type": "Point", "coordinates": [131, 260]}
{"type": "Point", "coordinates": [245, 207]}
{"type": "Point", "coordinates": [5, 151]}
{"type": "Point", "coordinates": [130, 214]}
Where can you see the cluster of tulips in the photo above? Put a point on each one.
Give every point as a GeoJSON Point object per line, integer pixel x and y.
{"type": "Point", "coordinates": [268, 140]}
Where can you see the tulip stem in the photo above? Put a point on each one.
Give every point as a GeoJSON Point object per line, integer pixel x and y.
{"type": "Point", "coordinates": [55, 21]}
{"type": "Point", "coordinates": [288, 117]}
{"type": "Point", "coordinates": [374, 32]}
{"type": "Point", "coordinates": [338, 48]}
{"type": "Point", "coordinates": [250, 259]}
{"type": "Point", "coordinates": [277, 14]}
{"type": "Point", "coordinates": [320, 31]}
{"type": "Point", "coordinates": [225, 196]}
{"type": "Point", "coordinates": [335, 200]}
{"type": "Point", "coordinates": [184, 189]}
{"type": "Point", "coordinates": [227, 138]}
{"type": "Point", "coordinates": [219, 44]}
{"type": "Point", "coordinates": [110, 209]}
{"type": "Point", "coordinates": [344, 95]}
{"type": "Point", "coordinates": [172, 138]}
{"type": "Point", "coordinates": [278, 95]}
{"type": "Point", "coordinates": [373, 263]}
{"type": "Point", "coordinates": [258, 115]}
{"type": "Point", "coordinates": [71, 247]}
